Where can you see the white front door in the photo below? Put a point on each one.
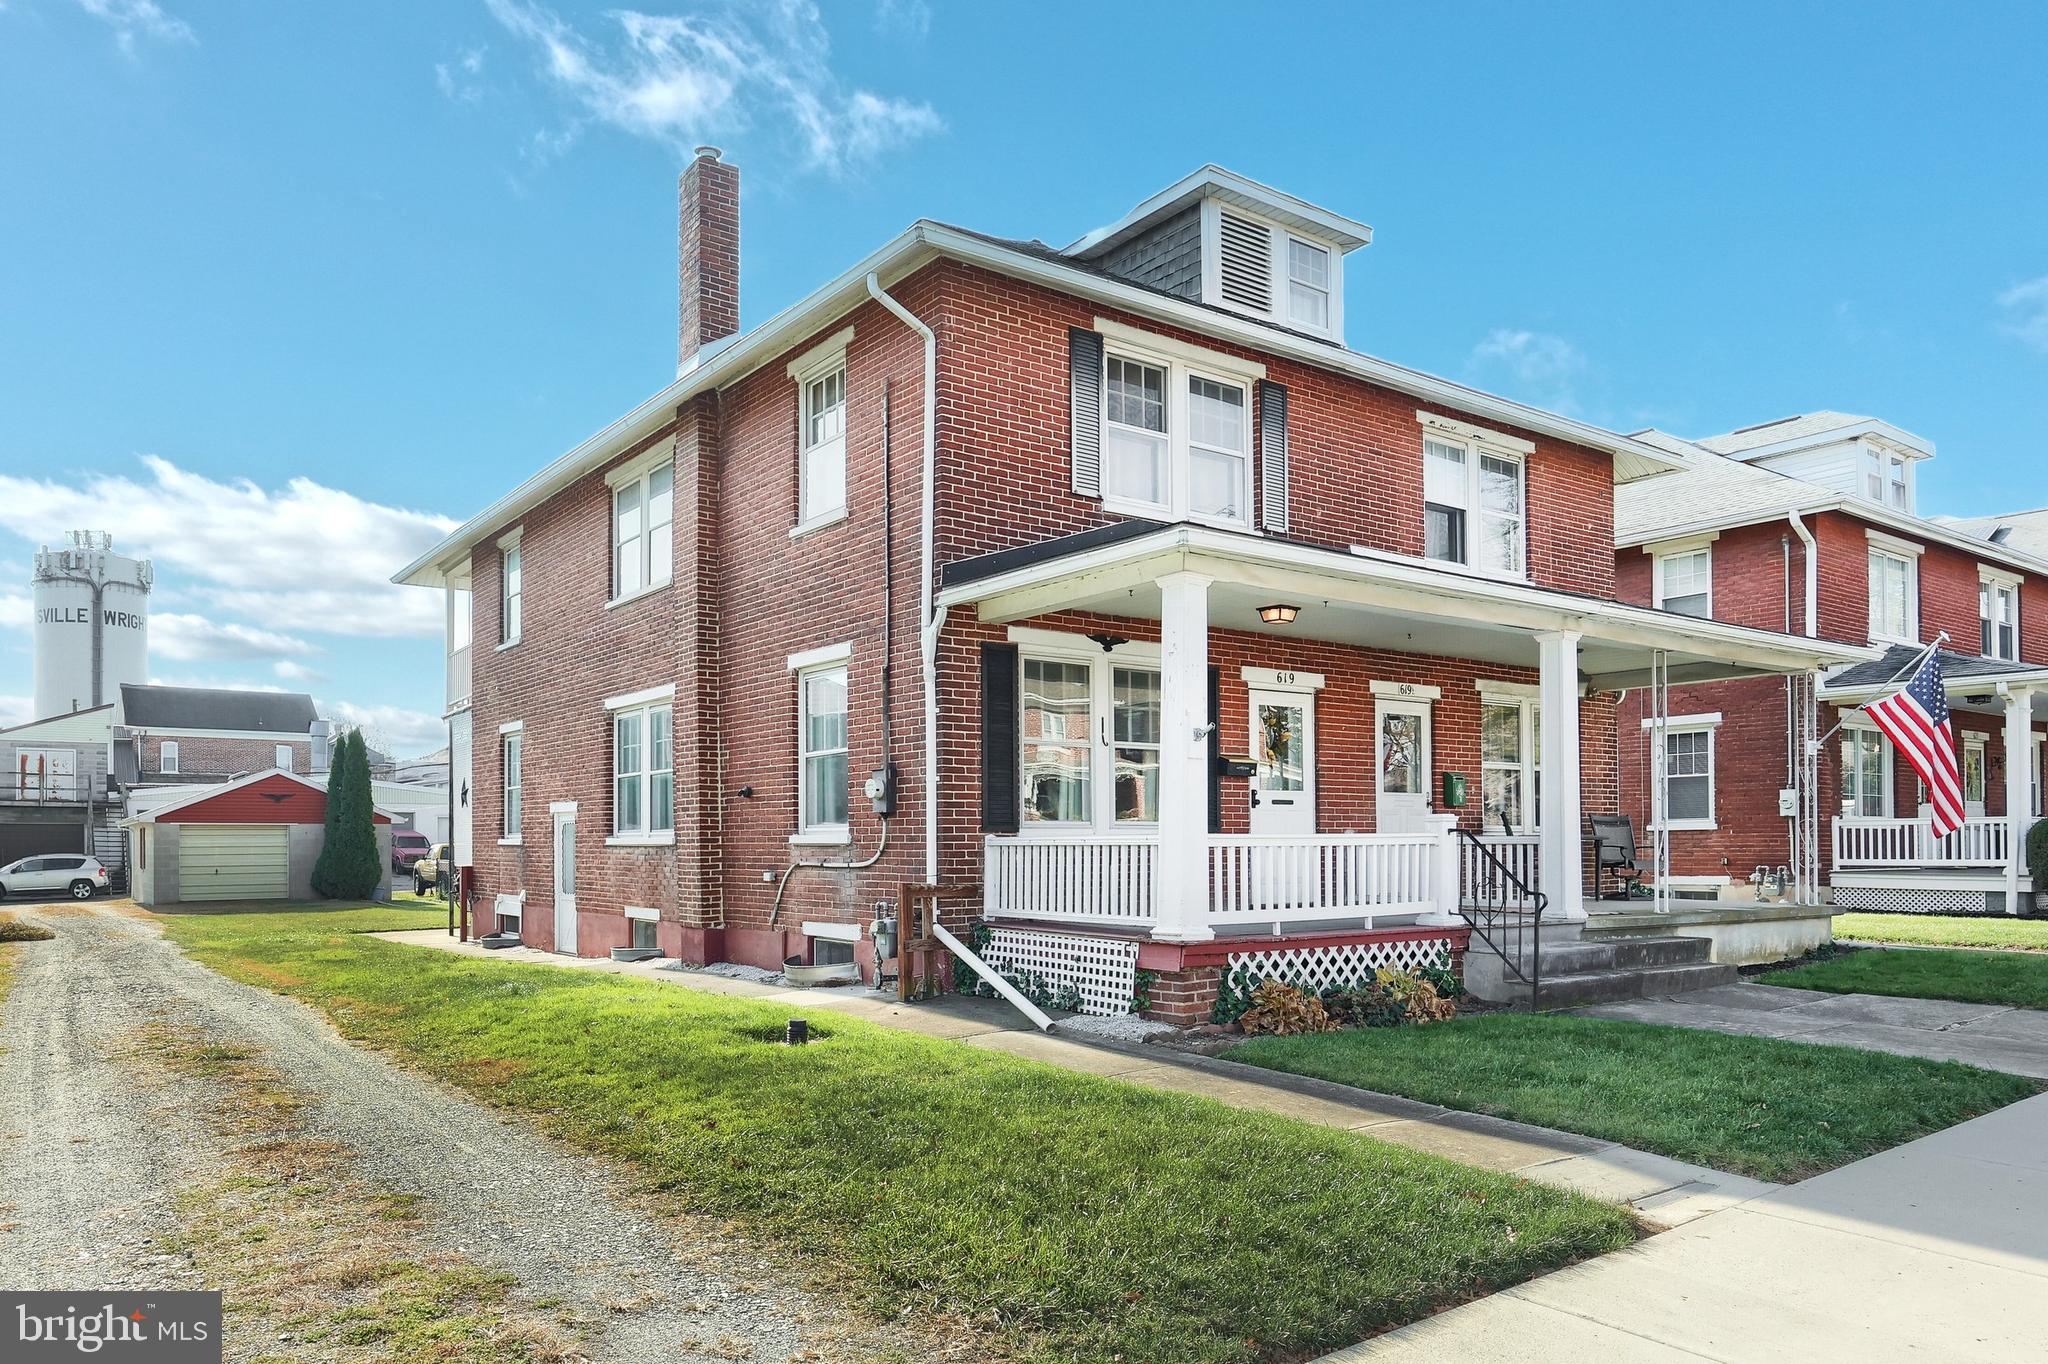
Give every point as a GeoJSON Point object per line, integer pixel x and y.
{"type": "Point", "coordinates": [1402, 751]}
{"type": "Point", "coordinates": [1284, 751]}
{"type": "Point", "coordinates": [565, 880]}
{"type": "Point", "coordinates": [1973, 777]}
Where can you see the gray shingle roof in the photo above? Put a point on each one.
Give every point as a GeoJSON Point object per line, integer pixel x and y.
{"type": "Point", "coordinates": [2027, 531]}
{"type": "Point", "coordinates": [1716, 489]}
{"type": "Point", "coordinates": [268, 712]}
{"type": "Point", "coordinates": [1954, 666]}
{"type": "Point", "coordinates": [1784, 429]}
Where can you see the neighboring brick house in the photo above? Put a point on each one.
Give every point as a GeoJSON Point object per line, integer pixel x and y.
{"type": "Point", "coordinates": [1104, 582]}
{"type": "Point", "coordinates": [1809, 525]}
{"type": "Point", "coordinates": [182, 735]}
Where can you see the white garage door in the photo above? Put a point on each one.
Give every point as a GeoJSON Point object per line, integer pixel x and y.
{"type": "Point", "coordinates": [233, 862]}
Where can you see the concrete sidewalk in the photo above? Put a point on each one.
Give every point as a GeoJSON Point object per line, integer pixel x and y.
{"type": "Point", "coordinates": [1988, 1035]}
{"type": "Point", "coordinates": [1932, 1251]}
{"type": "Point", "coordinates": [1664, 1191]}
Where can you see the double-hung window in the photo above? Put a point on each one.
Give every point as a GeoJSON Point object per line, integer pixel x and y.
{"type": "Point", "coordinates": [1176, 436]}
{"type": "Point", "coordinates": [1998, 616]}
{"type": "Point", "coordinates": [1510, 765]}
{"type": "Point", "coordinates": [1689, 778]}
{"type": "Point", "coordinates": [283, 755]}
{"type": "Point", "coordinates": [1893, 598]}
{"type": "Point", "coordinates": [1087, 724]}
{"type": "Point", "coordinates": [1308, 285]}
{"type": "Point", "coordinates": [1474, 503]}
{"type": "Point", "coordinates": [508, 762]}
{"type": "Point", "coordinates": [511, 593]}
{"type": "Point", "coordinates": [1685, 582]}
{"type": "Point", "coordinates": [643, 772]}
{"type": "Point", "coordinates": [821, 474]}
{"type": "Point", "coordinates": [1866, 772]}
{"type": "Point", "coordinates": [167, 756]}
{"type": "Point", "coordinates": [821, 763]}
{"type": "Point", "coordinates": [643, 528]}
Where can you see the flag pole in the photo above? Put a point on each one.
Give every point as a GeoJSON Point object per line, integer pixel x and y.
{"type": "Point", "coordinates": [1940, 638]}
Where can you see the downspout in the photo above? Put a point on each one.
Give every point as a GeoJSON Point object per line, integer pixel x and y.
{"type": "Point", "coordinates": [929, 623]}
{"type": "Point", "coordinates": [1812, 575]}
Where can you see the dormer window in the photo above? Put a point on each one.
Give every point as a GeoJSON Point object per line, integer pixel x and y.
{"type": "Point", "coordinates": [1270, 271]}
{"type": "Point", "coordinates": [1884, 479]}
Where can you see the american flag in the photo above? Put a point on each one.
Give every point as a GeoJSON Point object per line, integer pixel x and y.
{"type": "Point", "coordinates": [1916, 719]}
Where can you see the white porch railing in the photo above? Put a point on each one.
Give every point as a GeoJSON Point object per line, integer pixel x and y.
{"type": "Point", "coordinates": [1868, 841]}
{"type": "Point", "coordinates": [1517, 852]}
{"type": "Point", "coordinates": [1252, 880]}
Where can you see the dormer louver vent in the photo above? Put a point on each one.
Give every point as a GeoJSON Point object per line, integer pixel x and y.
{"type": "Point", "coordinates": [1246, 261]}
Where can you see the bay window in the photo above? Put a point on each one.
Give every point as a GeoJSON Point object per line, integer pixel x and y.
{"type": "Point", "coordinates": [1474, 503]}
{"type": "Point", "coordinates": [643, 772]}
{"type": "Point", "coordinates": [1176, 435]}
{"type": "Point", "coordinates": [1684, 582]}
{"type": "Point", "coordinates": [1893, 597]}
{"type": "Point", "coordinates": [822, 750]}
{"type": "Point", "coordinates": [643, 531]}
{"type": "Point", "coordinates": [1866, 773]}
{"type": "Point", "coordinates": [1087, 722]}
{"type": "Point", "coordinates": [1998, 616]}
{"type": "Point", "coordinates": [1510, 765]}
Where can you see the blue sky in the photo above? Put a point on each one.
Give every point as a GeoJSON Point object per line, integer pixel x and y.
{"type": "Point", "coordinates": [287, 283]}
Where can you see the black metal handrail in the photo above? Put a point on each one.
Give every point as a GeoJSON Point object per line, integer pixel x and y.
{"type": "Point", "coordinates": [1505, 911]}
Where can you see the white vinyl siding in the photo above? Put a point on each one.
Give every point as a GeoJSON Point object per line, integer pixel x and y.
{"type": "Point", "coordinates": [234, 861]}
{"type": "Point", "coordinates": [643, 773]}
{"type": "Point", "coordinates": [643, 531]}
{"type": "Point", "coordinates": [1685, 583]}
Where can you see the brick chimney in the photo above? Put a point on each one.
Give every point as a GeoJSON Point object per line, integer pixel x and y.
{"type": "Point", "coordinates": [710, 255]}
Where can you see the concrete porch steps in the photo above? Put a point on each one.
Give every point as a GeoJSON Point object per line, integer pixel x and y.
{"type": "Point", "coordinates": [1582, 971]}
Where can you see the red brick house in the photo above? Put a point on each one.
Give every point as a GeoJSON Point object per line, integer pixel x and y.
{"type": "Point", "coordinates": [1104, 579]}
{"type": "Point", "coordinates": [1808, 525]}
{"type": "Point", "coordinates": [179, 735]}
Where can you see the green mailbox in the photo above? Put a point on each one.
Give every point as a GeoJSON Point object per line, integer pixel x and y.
{"type": "Point", "coordinates": [1454, 790]}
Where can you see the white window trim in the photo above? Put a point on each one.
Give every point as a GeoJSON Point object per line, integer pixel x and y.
{"type": "Point", "coordinates": [1709, 725]}
{"type": "Point", "coordinates": [643, 705]}
{"type": "Point", "coordinates": [1903, 552]}
{"type": "Point", "coordinates": [1684, 551]}
{"type": "Point", "coordinates": [1528, 701]}
{"type": "Point", "coordinates": [1281, 679]}
{"type": "Point", "coordinates": [830, 658]}
{"type": "Point", "coordinates": [1063, 647]}
{"type": "Point", "coordinates": [1477, 442]}
{"type": "Point", "coordinates": [815, 363]}
{"type": "Point", "coordinates": [1490, 688]}
{"type": "Point", "coordinates": [168, 756]}
{"type": "Point", "coordinates": [815, 928]}
{"type": "Point", "coordinates": [1998, 580]}
{"type": "Point", "coordinates": [1888, 751]}
{"type": "Point", "coordinates": [644, 913]}
{"type": "Point", "coordinates": [509, 543]}
{"type": "Point", "coordinates": [512, 727]}
{"type": "Point", "coordinates": [1405, 691]}
{"type": "Point", "coordinates": [511, 907]}
{"type": "Point", "coordinates": [1278, 235]}
{"type": "Point", "coordinates": [1707, 719]}
{"type": "Point", "coordinates": [1182, 362]}
{"type": "Point", "coordinates": [515, 729]}
{"type": "Point", "coordinates": [638, 471]}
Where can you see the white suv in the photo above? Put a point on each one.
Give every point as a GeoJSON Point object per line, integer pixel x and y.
{"type": "Point", "coordinates": [81, 877]}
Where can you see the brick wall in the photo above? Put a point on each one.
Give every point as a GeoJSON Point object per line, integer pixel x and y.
{"type": "Point", "coordinates": [213, 756]}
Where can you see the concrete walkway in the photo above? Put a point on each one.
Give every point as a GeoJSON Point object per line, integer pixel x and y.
{"type": "Point", "coordinates": [1988, 1035]}
{"type": "Point", "coordinates": [1932, 1251]}
{"type": "Point", "coordinates": [1664, 1191]}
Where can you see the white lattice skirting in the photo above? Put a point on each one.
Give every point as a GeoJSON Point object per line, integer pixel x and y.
{"type": "Point", "coordinates": [1104, 971]}
{"type": "Point", "coordinates": [1316, 969]}
{"type": "Point", "coordinates": [1911, 900]}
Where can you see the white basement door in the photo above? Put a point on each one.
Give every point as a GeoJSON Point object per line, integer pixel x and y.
{"type": "Point", "coordinates": [233, 862]}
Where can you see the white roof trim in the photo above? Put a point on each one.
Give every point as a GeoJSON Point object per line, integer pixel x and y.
{"type": "Point", "coordinates": [1436, 421]}
{"type": "Point", "coordinates": [1346, 233]}
{"type": "Point", "coordinates": [1849, 505]}
{"type": "Point", "coordinates": [209, 792]}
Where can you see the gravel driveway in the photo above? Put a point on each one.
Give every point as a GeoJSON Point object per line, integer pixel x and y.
{"type": "Point", "coordinates": [93, 1150]}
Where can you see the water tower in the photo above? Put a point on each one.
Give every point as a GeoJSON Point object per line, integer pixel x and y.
{"type": "Point", "coordinates": [91, 623]}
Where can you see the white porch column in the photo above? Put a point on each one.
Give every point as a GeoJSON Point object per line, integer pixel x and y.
{"type": "Point", "coordinates": [1180, 877]}
{"type": "Point", "coordinates": [1447, 875]}
{"type": "Point", "coordinates": [2019, 789]}
{"type": "Point", "coordinates": [1562, 879]}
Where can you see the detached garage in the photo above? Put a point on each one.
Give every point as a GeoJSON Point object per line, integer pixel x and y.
{"type": "Point", "coordinates": [254, 838]}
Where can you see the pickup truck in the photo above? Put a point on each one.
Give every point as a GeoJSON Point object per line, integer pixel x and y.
{"type": "Point", "coordinates": [426, 872]}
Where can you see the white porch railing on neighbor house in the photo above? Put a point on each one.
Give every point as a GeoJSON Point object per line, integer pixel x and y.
{"type": "Point", "coordinates": [1868, 841]}
{"type": "Point", "coordinates": [1517, 852]}
{"type": "Point", "coordinates": [1252, 880]}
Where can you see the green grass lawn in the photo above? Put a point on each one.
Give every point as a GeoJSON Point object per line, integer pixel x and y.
{"type": "Point", "coordinates": [1749, 1105]}
{"type": "Point", "coordinates": [1939, 930]}
{"type": "Point", "coordinates": [1078, 1218]}
{"type": "Point", "coordinates": [2016, 978]}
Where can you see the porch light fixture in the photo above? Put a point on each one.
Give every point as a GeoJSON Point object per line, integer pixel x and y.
{"type": "Point", "coordinates": [1278, 614]}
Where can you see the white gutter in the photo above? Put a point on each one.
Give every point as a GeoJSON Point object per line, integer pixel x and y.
{"type": "Point", "coordinates": [1849, 505]}
{"type": "Point", "coordinates": [1812, 557]}
{"type": "Point", "coordinates": [927, 623]}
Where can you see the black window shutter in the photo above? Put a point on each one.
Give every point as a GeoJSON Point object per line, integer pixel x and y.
{"type": "Point", "coordinates": [1215, 750]}
{"type": "Point", "coordinates": [1273, 456]}
{"type": "Point", "coordinates": [1084, 372]}
{"type": "Point", "coordinates": [999, 785]}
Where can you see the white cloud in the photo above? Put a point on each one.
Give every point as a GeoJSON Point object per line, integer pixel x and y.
{"type": "Point", "coordinates": [17, 611]}
{"type": "Point", "coordinates": [296, 672]}
{"type": "Point", "coordinates": [2025, 309]}
{"type": "Point", "coordinates": [304, 557]}
{"type": "Point", "coordinates": [396, 730]}
{"type": "Point", "coordinates": [462, 79]}
{"type": "Point", "coordinates": [192, 639]}
{"type": "Point", "coordinates": [706, 76]}
{"type": "Point", "coordinates": [903, 18]}
{"type": "Point", "coordinates": [16, 710]}
{"type": "Point", "coordinates": [135, 19]}
{"type": "Point", "coordinates": [1535, 367]}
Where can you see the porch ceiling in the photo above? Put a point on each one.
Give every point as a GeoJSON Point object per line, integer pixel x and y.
{"type": "Point", "coordinates": [1376, 602]}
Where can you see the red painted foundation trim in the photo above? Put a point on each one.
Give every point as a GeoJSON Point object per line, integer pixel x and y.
{"type": "Point", "coordinates": [1175, 956]}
